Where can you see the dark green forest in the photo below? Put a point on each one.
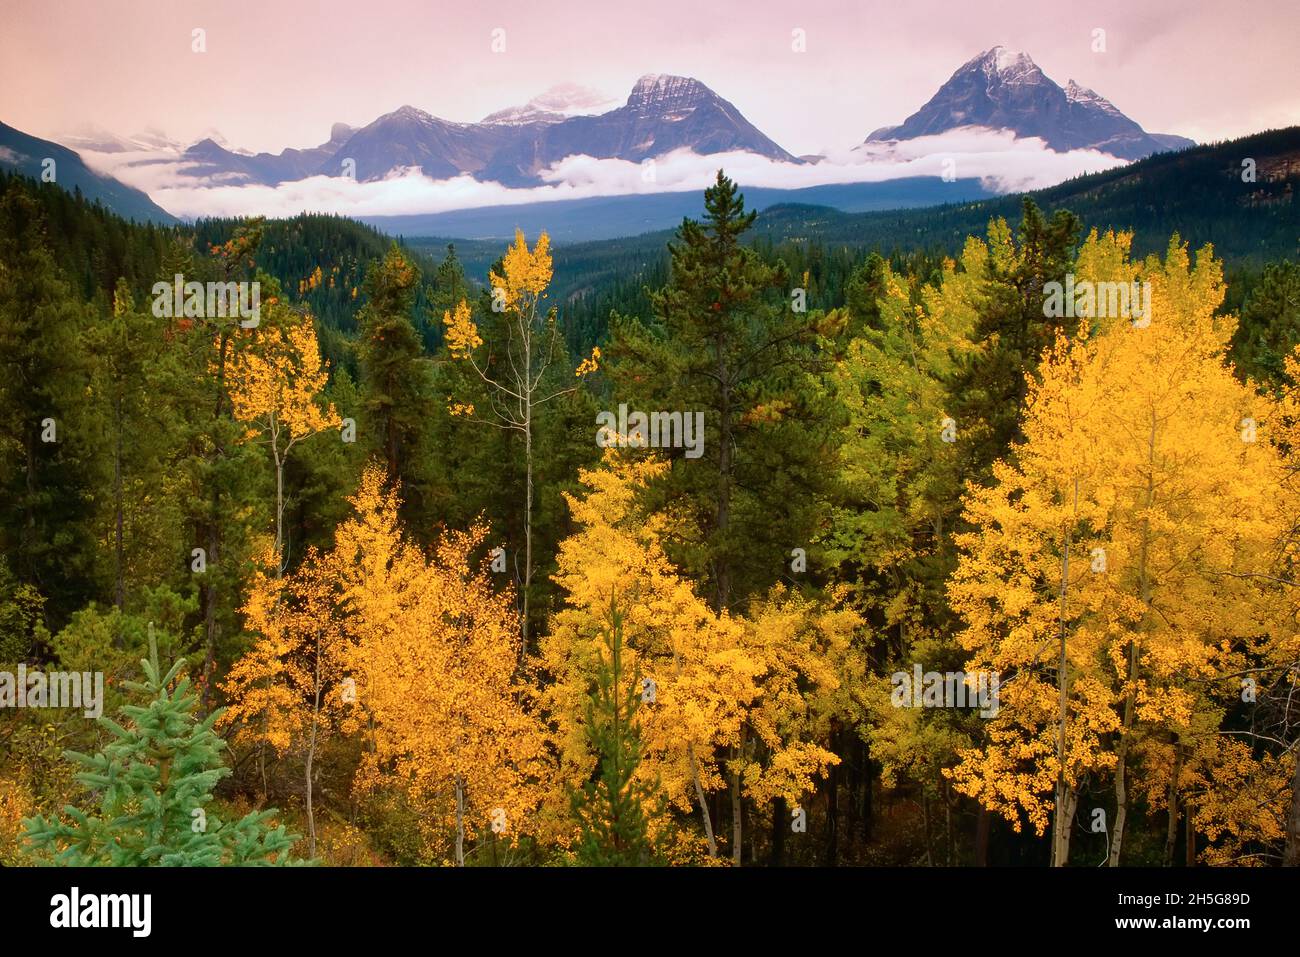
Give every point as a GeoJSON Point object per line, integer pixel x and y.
{"type": "Point", "coordinates": [365, 482]}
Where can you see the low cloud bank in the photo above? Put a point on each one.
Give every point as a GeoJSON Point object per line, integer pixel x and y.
{"type": "Point", "coordinates": [996, 157]}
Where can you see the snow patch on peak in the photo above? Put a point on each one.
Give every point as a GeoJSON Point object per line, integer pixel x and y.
{"type": "Point", "coordinates": [1005, 59]}
{"type": "Point", "coordinates": [212, 133]}
{"type": "Point", "coordinates": [408, 112]}
{"type": "Point", "coordinates": [573, 99]}
{"type": "Point", "coordinates": [558, 103]}
{"type": "Point", "coordinates": [666, 92]}
{"type": "Point", "coordinates": [1009, 66]}
{"type": "Point", "coordinates": [1082, 95]}
{"type": "Point", "coordinates": [1074, 91]}
{"type": "Point", "coordinates": [92, 138]}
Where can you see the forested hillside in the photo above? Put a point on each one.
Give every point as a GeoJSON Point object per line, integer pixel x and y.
{"type": "Point", "coordinates": [1209, 194]}
{"type": "Point", "coordinates": [858, 545]}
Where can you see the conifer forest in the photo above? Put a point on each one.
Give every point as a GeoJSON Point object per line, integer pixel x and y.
{"type": "Point", "coordinates": [600, 484]}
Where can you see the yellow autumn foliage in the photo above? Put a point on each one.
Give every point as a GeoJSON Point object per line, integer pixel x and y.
{"type": "Point", "coordinates": [277, 377]}
{"type": "Point", "coordinates": [703, 679]}
{"type": "Point", "coordinates": [525, 273]}
{"type": "Point", "coordinates": [1136, 454]}
{"type": "Point", "coordinates": [434, 652]}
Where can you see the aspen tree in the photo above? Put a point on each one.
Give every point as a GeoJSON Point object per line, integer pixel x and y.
{"type": "Point", "coordinates": [276, 382]}
{"type": "Point", "coordinates": [703, 678]}
{"type": "Point", "coordinates": [1146, 419]}
{"type": "Point", "coordinates": [518, 370]}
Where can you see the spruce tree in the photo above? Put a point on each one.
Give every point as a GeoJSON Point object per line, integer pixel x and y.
{"type": "Point", "coordinates": [396, 379]}
{"type": "Point", "coordinates": [731, 338]}
{"type": "Point", "coordinates": [50, 452]}
{"type": "Point", "coordinates": [134, 370]}
{"type": "Point", "coordinates": [155, 781]}
{"type": "Point", "coordinates": [449, 287]}
{"type": "Point", "coordinates": [989, 393]}
{"type": "Point", "coordinates": [223, 493]}
{"type": "Point", "coordinates": [612, 805]}
{"type": "Point", "coordinates": [1270, 324]}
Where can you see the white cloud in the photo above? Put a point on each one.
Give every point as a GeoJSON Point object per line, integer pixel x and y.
{"type": "Point", "coordinates": [1000, 160]}
{"type": "Point", "coordinates": [996, 157]}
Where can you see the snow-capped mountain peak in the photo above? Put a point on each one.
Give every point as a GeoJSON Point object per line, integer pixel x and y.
{"type": "Point", "coordinates": [409, 114]}
{"type": "Point", "coordinates": [661, 93]}
{"type": "Point", "coordinates": [558, 103]}
{"type": "Point", "coordinates": [90, 138]}
{"type": "Point", "coordinates": [1004, 89]}
{"type": "Point", "coordinates": [1005, 67]}
{"type": "Point", "coordinates": [1003, 61]}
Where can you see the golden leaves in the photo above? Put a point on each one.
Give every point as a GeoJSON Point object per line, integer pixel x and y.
{"type": "Point", "coordinates": [589, 365]}
{"type": "Point", "coordinates": [526, 274]}
{"type": "Point", "coordinates": [276, 378]}
{"type": "Point", "coordinates": [300, 652]}
{"type": "Point", "coordinates": [436, 650]}
{"type": "Point", "coordinates": [419, 652]}
{"type": "Point", "coordinates": [765, 685]}
{"type": "Point", "coordinates": [766, 413]}
{"type": "Point", "coordinates": [460, 334]}
{"type": "Point", "coordinates": [1134, 455]}
{"type": "Point", "coordinates": [702, 677]}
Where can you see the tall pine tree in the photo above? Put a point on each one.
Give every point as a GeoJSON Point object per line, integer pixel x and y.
{"type": "Point", "coordinates": [729, 339]}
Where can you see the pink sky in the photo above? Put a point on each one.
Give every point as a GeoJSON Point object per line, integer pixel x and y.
{"type": "Point", "coordinates": [278, 73]}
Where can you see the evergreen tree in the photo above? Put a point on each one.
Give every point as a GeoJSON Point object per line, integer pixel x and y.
{"type": "Point", "coordinates": [48, 451]}
{"type": "Point", "coordinates": [134, 370]}
{"type": "Point", "coordinates": [865, 287]}
{"type": "Point", "coordinates": [613, 805]}
{"type": "Point", "coordinates": [323, 474]}
{"type": "Point", "coordinates": [1270, 323]}
{"type": "Point", "coordinates": [395, 377]}
{"type": "Point", "coordinates": [733, 343]}
{"type": "Point", "coordinates": [726, 341]}
{"type": "Point", "coordinates": [989, 393]}
{"type": "Point", "coordinates": [223, 491]}
{"type": "Point", "coordinates": [155, 782]}
{"type": "Point", "coordinates": [449, 287]}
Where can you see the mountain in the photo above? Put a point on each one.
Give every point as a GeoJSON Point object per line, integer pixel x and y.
{"type": "Point", "coordinates": [412, 137]}
{"type": "Point", "coordinates": [213, 160]}
{"type": "Point", "coordinates": [1003, 89]}
{"type": "Point", "coordinates": [90, 138]}
{"type": "Point", "coordinates": [663, 113]}
{"type": "Point", "coordinates": [26, 154]}
{"type": "Point", "coordinates": [512, 147]}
